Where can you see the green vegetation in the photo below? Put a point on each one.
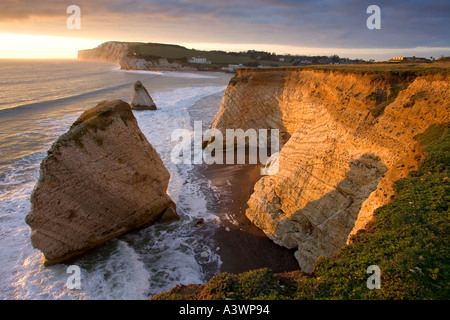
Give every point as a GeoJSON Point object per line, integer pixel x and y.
{"type": "Point", "coordinates": [182, 54]}
{"type": "Point", "coordinates": [250, 58]}
{"type": "Point", "coordinates": [416, 96]}
{"type": "Point", "coordinates": [100, 117]}
{"type": "Point", "coordinates": [394, 90]}
{"type": "Point", "coordinates": [444, 59]}
{"type": "Point", "coordinates": [233, 81]}
{"type": "Point", "coordinates": [380, 70]}
{"type": "Point", "coordinates": [408, 239]}
{"type": "Point", "coordinates": [97, 118]}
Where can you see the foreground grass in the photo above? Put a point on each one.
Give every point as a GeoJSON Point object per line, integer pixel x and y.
{"type": "Point", "coordinates": [408, 240]}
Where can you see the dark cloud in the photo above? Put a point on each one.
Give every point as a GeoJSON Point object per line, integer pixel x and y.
{"type": "Point", "coordinates": [318, 23]}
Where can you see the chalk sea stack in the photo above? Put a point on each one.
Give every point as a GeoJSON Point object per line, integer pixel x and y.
{"type": "Point", "coordinates": [99, 180]}
{"type": "Point", "coordinates": [141, 99]}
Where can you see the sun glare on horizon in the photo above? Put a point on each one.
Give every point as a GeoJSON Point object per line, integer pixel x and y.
{"type": "Point", "coordinates": [24, 46]}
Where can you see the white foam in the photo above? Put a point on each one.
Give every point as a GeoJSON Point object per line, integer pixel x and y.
{"type": "Point", "coordinates": [136, 267]}
{"type": "Point", "coordinates": [120, 277]}
{"type": "Point", "coordinates": [138, 71]}
{"type": "Point", "coordinates": [187, 75]}
{"type": "Point", "coordinates": [158, 127]}
{"type": "Point", "coordinates": [175, 74]}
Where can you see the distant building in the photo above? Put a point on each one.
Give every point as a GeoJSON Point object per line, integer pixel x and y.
{"type": "Point", "coordinates": [324, 61]}
{"type": "Point", "coordinates": [201, 60]}
{"type": "Point", "coordinates": [232, 67]}
{"type": "Point", "coordinates": [409, 59]}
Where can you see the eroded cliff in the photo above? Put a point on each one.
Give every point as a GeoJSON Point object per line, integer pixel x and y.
{"type": "Point", "coordinates": [123, 54]}
{"type": "Point", "coordinates": [107, 52]}
{"type": "Point", "coordinates": [99, 180]}
{"type": "Point", "coordinates": [346, 138]}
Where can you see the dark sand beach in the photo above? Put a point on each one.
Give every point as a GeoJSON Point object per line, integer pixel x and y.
{"type": "Point", "coordinates": [243, 246]}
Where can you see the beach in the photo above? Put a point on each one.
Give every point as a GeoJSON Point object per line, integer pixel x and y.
{"type": "Point", "coordinates": [136, 265]}
{"type": "Point", "coordinates": [242, 245]}
{"type": "Point", "coordinates": [151, 260]}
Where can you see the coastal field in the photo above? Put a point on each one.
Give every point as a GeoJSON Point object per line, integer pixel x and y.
{"type": "Point", "coordinates": [441, 66]}
{"type": "Point", "coordinates": [216, 57]}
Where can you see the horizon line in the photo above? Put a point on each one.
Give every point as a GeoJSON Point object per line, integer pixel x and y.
{"type": "Point", "coordinates": [68, 47]}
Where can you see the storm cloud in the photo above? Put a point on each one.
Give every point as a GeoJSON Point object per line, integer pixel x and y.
{"type": "Point", "coordinates": [313, 23]}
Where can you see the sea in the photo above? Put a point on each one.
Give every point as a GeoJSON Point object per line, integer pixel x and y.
{"type": "Point", "coordinates": [39, 100]}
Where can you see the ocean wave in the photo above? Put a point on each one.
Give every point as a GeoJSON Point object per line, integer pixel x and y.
{"type": "Point", "coordinates": [57, 101]}
{"type": "Point", "coordinates": [64, 77]}
{"type": "Point", "coordinates": [175, 74]}
{"type": "Point", "coordinates": [135, 266]}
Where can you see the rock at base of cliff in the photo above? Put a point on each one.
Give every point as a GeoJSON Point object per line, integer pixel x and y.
{"type": "Point", "coordinates": [99, 180]}
{"type": "Point", "coordinates": [170, 214]}
{"type": "Point", "coordinates": [141, 99]}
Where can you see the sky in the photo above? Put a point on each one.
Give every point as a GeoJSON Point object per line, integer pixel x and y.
{"type": "Point", "coordinates": [39, 29]}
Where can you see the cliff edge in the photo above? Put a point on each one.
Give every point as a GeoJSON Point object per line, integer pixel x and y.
{"type": "Point", "coordinates": [106, 52]}
{"type": "Point", "coordinates": [346, 138]}
{"type": "Point", "coordinates": [123, 54]}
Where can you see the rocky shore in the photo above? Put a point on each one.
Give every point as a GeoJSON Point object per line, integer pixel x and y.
{"type": "Point", "coordinates": [346, 136]}
{"type": "Point", "coordinates": [99, 180]}
{"type": "Point", "coordinates": [243, 246]}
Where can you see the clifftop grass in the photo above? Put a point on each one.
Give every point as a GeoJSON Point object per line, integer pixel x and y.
{"type": "Point", "coordinates": [407, 240]}
{"type": "Point", "coordinates": [377, 69]}
{"type": "Point", "coordinates": [94, 119]}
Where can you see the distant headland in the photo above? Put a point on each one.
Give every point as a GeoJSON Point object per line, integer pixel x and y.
{"type": "Point", "coordinates": [158, 56]}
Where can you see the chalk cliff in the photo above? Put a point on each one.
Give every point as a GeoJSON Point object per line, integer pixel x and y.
{"type": "Point", "coordinates": [141, 100]}
{"type": "Point", "coordinates": [122, 53]}
{"type": "Point", "coordinates": [346, 138]}
{"type": "Point", "coordinates": [131, 62]}
{"type": "Point", "coordinates": [99, 180]}
{"type": "Point", "coordinates": [107, 52]}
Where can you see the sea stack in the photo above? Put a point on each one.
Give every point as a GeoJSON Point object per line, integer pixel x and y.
{"type": "Point", "coordinates": [99, 180]}
{"type": "Point", "coordinates": [141, 99]}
